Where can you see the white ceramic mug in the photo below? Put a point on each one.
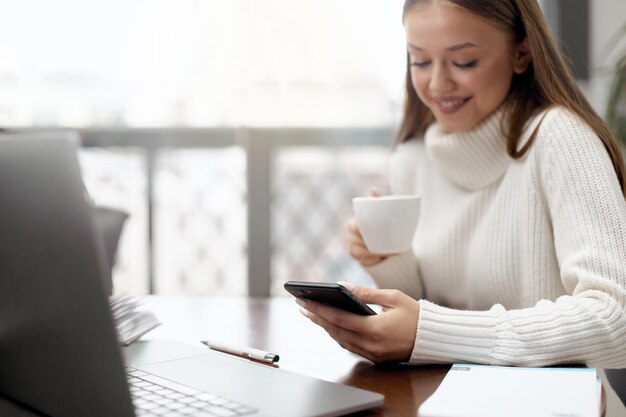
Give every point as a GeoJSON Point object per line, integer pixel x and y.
{"type": "Point", "coordinates": [387, 223]}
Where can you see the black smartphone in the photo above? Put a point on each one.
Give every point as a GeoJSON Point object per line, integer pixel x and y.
{"type": "Point", "coordinates": [327, 293]}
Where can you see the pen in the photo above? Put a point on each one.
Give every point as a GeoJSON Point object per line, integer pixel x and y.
{"type": "Point", "coordinates": [244, 352]}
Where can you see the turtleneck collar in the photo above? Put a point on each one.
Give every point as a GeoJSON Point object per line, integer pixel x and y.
{"type": "Point", "coordinates": [474, 159]}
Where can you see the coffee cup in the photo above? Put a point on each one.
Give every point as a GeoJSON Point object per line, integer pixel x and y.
{"type": "Point", "coordinates": [387, 223]}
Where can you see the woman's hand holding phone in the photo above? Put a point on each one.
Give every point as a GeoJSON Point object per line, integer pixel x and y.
{"type": "Point", "coordinates": [387, 336]}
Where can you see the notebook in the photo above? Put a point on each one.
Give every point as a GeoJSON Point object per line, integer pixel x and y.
{"type": "Point", "coordinates": [58, 347]}
{"type": "Point", "coordinates": [495, 391]}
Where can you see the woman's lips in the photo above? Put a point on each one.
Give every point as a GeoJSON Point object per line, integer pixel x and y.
{"type": "Point", "coordinates": [449, 105]}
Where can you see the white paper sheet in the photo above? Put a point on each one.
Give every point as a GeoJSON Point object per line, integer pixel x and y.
{"type": "Point", "coordinates": [496, 391]}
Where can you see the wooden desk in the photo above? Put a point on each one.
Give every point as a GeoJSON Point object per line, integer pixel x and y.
{"type": "Point", "coordinates": [276, 325]}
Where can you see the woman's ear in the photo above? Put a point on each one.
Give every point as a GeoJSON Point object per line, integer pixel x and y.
{"type": "Point", "coordinates": [521, 57]}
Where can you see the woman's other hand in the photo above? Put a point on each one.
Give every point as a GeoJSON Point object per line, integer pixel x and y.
{"type": "Point", "coordinates": [388, 336]}
{"type": "Point", "coordinates": [357, 248]}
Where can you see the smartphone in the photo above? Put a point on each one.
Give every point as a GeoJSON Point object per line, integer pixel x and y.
{"type": "Point", "coordinates": [332, 294]}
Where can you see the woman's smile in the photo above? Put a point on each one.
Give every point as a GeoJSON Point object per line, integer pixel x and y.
{"type": "Point", "coordinates": [450, 105]}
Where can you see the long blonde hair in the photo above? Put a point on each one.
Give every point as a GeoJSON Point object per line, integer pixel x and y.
{"type": "Point", "coordinates": [548, 80]}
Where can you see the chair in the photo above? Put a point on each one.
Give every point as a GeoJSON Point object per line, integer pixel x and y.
{"type": "Point", "coordinates": [109, 223]}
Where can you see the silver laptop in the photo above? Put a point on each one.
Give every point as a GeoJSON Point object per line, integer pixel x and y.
{"type": "Point", "coordinates": [58, 348]}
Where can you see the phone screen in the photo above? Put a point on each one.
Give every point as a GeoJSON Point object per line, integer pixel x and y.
{"type": "Point", "coordinates": [329, 293]}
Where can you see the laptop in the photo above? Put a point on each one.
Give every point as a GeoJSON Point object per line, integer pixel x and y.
{"type": "Point", "coordinates": [59, 354]}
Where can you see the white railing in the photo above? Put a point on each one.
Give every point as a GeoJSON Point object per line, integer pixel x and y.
{"type": "Point", "coordinates": [232, 211]}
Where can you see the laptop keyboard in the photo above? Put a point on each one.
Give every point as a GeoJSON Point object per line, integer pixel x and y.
{"type": "Point", "coordinates": [156, 396]}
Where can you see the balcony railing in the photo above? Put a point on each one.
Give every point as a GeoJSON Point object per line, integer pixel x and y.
{"type": "Point", "coordinates": [233, 211]}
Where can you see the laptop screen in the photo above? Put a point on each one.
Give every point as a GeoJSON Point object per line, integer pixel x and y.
{"type": "Point", "coordinates": [58, 348]}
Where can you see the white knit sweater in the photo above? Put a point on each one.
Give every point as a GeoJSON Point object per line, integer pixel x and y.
{"type": "Point", "coordinates": [515, 262]}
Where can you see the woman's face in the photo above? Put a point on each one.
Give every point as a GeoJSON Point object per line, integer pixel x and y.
{"type": "Point", "coordinates": [461, 66]}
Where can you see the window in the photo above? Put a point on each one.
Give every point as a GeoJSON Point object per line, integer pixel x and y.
{"type": "Point", "coordinates": [154, 63]}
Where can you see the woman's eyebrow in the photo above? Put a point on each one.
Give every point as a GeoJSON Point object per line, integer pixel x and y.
{"type": "Point", "coordinates": [450, 48]}
{"type": "Point", "coordinates": [462, 46]}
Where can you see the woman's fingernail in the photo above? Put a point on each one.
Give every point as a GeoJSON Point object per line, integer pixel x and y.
{"type": "Point", "coordinates": [348, 285]}
{"type": "Point", "coordinates": [304, 312]}
{"type": "Point", "coordinates": [301, 302]}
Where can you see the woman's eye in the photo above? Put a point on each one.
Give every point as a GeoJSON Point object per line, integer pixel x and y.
{"type": "Point", "coordinates": [464, 65]}
{"type": "Point", "coordinates": [420, 64]}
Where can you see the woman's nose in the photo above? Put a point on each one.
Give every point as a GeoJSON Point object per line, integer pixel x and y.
{"type": "Point", "coordinates": [440, 80]}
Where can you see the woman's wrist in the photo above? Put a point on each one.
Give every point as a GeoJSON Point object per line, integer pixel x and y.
{"type": "Point", "coordinates": [372, 260]}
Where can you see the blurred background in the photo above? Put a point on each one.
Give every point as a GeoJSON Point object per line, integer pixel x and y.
{"type": "Point", "coordinates": [235, 133]}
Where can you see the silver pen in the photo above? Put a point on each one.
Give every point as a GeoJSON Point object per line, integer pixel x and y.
{"type": "Point", "coordinates": [244, 352]}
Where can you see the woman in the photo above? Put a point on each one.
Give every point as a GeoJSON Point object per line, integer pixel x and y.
{"type": "Point", "coordinates": [520, 254]}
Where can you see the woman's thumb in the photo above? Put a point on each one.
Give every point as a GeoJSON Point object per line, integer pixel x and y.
{"type": "Point", "coordinates": [363, 293]}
